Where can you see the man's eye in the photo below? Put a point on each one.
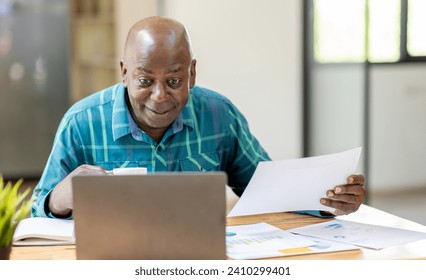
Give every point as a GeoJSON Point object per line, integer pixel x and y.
{"type": "Point", "coordinates": [173, 82]}
{"type": "Point", "coordinates": [144, 82]}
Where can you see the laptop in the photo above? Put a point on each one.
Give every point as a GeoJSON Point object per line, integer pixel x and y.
{"type": "Point", "coordinates": [156, 216]}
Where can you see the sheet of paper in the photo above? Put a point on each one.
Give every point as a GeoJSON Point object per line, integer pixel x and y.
{"type": "Point", "coordinates": [263, 240]}
{"type": "Point", "coordinates": [293, 185]}
{"type": "Point", "coordinates": [359, 234]}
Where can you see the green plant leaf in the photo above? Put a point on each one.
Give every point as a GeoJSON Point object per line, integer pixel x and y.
{"type": "Point", "coordinates": [14, 207]}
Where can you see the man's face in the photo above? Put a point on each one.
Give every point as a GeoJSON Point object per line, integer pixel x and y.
{"type": "Point", "coordinates": [158, 79]}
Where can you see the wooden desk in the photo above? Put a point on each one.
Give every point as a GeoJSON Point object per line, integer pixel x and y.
{"type": "Point", "coordinates": [366, 214]}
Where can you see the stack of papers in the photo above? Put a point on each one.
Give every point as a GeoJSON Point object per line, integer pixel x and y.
{"type": "Point", "coordinates": [263, 240]}
{"type": "Point", "coordinates": [360, 234]}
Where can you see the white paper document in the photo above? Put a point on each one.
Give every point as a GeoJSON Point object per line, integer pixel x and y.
{"type": "Point", "coordinates": [293, 185]}
{"type": "Point", "coordinates": [359, 234]}
{"type": "Point", "coordinates": [263, 240]}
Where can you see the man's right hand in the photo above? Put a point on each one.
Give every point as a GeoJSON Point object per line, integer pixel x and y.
{"type": "Point", "coordinates": [61, 202]}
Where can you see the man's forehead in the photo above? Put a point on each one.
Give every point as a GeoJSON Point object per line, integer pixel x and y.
{"type": "Point", "coordinates": [148, 41]}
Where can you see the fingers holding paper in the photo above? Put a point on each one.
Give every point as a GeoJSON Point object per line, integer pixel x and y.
{"type": "Point", "coordinates": [346, 198]}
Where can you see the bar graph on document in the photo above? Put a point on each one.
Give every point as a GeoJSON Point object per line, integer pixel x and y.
{"type": "Point", "coordinates": [260, 240]}
{"type": "Point", "coordinates": [263, 240]}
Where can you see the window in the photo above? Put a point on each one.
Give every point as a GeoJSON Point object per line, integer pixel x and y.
{"type": "Point", "coordinates": [384, 17]}
{"type": "Point", "coordinates": [357, 30]}
{"type": "Point", "coordinates": [339, 31]}
{"type": "Point", "coordinates": [416, 23]}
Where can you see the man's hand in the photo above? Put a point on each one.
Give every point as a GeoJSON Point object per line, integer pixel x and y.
{"type": "Point", "coordinates": [61, 202]}
{"type": "Point", "coordinates": [346, 198]}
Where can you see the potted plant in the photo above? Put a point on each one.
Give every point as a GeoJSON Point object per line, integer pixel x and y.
{"type": "Point", "coordinates": [14, 206]}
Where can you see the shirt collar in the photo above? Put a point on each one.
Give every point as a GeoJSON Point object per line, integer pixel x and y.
{"type": "Point", "coordinates": [123, 124]}
{"type": "Point", "coordinates": [187, 117]}
{"type": "Point", "coordinates": [120, 121]}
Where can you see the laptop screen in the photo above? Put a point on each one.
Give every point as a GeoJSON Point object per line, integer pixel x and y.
{"type": "Point", "coordinates": [155, 216]}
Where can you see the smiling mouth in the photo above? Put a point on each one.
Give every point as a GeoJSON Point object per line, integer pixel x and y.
{"type": "Point", "coordinates": [158, 113]}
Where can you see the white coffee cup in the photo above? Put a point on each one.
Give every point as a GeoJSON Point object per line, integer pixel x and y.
{"type": "Point", "coordinates": [130, 171]}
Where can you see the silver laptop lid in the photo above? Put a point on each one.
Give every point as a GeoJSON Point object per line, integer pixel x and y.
{"type": "Point", "coordinates": [156, 216]}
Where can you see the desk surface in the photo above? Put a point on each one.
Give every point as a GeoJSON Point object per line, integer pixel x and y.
{"type": "Point", "coordinates": [366, 214]}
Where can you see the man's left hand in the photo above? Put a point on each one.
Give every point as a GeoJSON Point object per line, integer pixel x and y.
{"type": "Point", "coordinates": [346, 198]}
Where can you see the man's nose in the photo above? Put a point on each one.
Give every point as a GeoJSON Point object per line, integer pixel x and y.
{"type": "Point", "coordinates": [159, 93]}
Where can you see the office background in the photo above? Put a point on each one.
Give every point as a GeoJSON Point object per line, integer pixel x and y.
{"type": "Point", "coordinates": [254, 52]}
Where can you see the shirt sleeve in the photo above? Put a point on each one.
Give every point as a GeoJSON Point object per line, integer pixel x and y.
{"type": "Point", "coordinates": [247, 152]}
{"type": "Point", "coordinates": [64, 157]}
{"type": "Point", "coordinates": [316, 213]}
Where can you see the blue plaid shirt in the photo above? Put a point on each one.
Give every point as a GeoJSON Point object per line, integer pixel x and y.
{"type": "Point", "coordinates": [210, 134]}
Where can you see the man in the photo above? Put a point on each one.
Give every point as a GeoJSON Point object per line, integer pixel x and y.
{"type": "Point", "coordinates": [158, 118]}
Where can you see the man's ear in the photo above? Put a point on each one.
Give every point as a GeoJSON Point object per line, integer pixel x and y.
{"type": "Point", "coordinates": [123, 70]}
{"type": "Point", "coordinates": [193, 73]}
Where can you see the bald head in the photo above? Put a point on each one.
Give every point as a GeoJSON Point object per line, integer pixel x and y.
{"type": "Point", "coordinates": [157, 32]}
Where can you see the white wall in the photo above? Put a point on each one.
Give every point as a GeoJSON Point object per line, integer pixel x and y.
{"type": "Point", "coordinates": [398, 126]}
{"type": "Point", "coordinates": [251, 51]}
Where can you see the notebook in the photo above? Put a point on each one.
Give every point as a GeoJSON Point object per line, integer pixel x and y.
{"type": "Point", "coordinates": [155, 216]}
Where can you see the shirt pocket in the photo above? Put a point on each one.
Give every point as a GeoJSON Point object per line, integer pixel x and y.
{"type": "Point", "coordinates": [110, 165]}
{"type": "Point", "coordinates": [200, 162]}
